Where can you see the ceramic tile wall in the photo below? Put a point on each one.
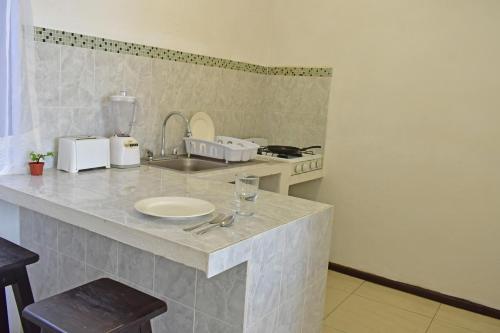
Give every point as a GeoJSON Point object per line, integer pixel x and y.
{"type": "Point", "coordinates": [71, 256]}
{"type": "Point", "coordinates": [287, 277]}
{"type": "Point", "coordinates": [296, 109]}
{"type": "Point", "coordinates": [73, 85]}
{"type": "Point", "coordinates": [281, 289]}
{"type": "Point", "coordinates": [60, 37]}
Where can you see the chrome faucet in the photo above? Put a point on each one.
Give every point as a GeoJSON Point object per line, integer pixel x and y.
{"type": "Point", "coordinates": [163, 136]}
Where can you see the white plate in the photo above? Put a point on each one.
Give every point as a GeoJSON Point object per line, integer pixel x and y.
{"type": "Point", "coordinates": [202, 126]}
{"type": "Point", "coordinates": [174, 207]}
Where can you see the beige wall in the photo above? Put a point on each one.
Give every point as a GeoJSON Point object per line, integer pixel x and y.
{"type": "Point", "coordinates": [234, 29]}
{"type": "Point", "coordinates": [413, 143]}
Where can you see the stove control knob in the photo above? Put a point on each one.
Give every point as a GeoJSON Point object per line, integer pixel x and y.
{"type": "Point", "coordinates": [298, 168]}
{"type": "Point", "coordinates": [312, 165]}
{"type": "Point", "coordinates": [305, 167]}
{"type": "Point", "coordinates": [318, 164]}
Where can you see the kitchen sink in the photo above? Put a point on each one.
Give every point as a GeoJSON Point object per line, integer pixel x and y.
{"type": "Point", "coordinates": [194, 164]}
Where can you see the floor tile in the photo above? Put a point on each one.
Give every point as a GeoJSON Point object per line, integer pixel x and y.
{"type": "Point", "coordinates": [343, 282]}
{"type": "Point", "coordinates": [398, 299]}
{"type": "Point", "coordinates": [443, 327]}
{"type": "Point", "coordinates": [328, 329]}
{"type": "Point", "coordinates": [469, 320]}
{"type": "Point", "coordinates": [333, 298]}
{"type": "Point", "coordinates": [361, 315]}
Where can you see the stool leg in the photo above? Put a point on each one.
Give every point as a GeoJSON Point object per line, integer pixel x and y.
{"type": "Point", "coordinates": [141, 328]}
{"type": "Point", "coordinates": [4, 318]}
{"type": "Point", "coordinates": [24, 297]}
{"type": "Point", "coordinates": [145, 328]}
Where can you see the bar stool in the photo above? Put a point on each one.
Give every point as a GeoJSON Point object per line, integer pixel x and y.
{"type": "Point", "coordinates": [100, 306]}
{"type": "Point", "coordinates": [13, 262]}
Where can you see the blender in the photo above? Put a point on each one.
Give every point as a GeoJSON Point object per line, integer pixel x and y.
{"type": "Point", "coordinates": [124, 149]}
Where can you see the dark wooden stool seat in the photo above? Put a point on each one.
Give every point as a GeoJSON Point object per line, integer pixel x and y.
{"type": "Point", "coordinates": [100, 306]}
{"type": "Point", "coordinates": [13, 262]}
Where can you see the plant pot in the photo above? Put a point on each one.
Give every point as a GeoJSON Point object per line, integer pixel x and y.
{"type": "Point", "coordinates": [36, 168]}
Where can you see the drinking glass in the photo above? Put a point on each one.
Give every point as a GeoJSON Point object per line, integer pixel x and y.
{"type": "Point", "coordinates": [246, 191]}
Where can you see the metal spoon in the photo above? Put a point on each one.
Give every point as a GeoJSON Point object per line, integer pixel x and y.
{"type": "Point", "coordinates": [226, 222]}
{"type": "Point", "coordinates": [217, 219]}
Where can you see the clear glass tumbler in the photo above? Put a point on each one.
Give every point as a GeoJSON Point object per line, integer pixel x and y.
{"type": "Point", "coordinates": [246, 191]}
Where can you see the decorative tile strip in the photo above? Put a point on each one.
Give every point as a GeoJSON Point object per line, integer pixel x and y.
{"type": "Point", "coordinates": [300, 71]}
{"type": "Point", "coordinates": [46, 35]}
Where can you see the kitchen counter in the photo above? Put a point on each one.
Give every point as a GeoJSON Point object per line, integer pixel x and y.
{"type": "Point", "coordinates": [101, 203]}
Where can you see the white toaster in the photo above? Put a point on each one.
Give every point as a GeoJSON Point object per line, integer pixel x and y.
{"type": "Point", "coordinates": [82, 152]}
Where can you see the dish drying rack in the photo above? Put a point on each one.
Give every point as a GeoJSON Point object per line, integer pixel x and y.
{"type": "Point", "coordinates": [222, 148]}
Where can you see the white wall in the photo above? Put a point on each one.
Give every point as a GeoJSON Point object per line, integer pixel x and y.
{"type": "Point", "coordinates": [234, 29]}
{"type": "Point", "coordinates": [413, 141]}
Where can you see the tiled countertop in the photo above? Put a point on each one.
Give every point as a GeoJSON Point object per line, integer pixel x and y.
{"type": "Point", "coordinates": [102, 201]}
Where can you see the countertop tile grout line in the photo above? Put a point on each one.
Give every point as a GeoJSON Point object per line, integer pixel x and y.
{"type": "Point", "coordinates": [195, 297]}
{"type": "Point", "coordinates": [85, 247]}
{"type": "Point", "coordinates": [154, 274]}
{"type": "Point", "coordinates": [216, 319]}
{"type": "Point", "coordinates": [59, 79]}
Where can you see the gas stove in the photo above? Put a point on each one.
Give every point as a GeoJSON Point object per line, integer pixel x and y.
{"type": "Point", "coordinates": [308, 162]}
{"type": "Point", "coordinates": [303, 167]}
{"type": "Point", "coordinates": [268, 152]}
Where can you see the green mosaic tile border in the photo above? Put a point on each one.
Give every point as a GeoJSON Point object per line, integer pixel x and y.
{"type": "Point", "coordinates": [46, 35]}
{"type": "Point", "coordinates": [300, 71]}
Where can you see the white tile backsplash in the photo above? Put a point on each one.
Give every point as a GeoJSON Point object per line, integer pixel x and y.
{"type": "Point", "coordinates": [74, 84]}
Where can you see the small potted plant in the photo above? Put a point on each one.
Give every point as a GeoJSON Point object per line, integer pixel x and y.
{"type": "Point", "coordinates": [37, 162]}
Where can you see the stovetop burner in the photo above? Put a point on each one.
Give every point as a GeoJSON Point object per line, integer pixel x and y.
{"type": "Point", "coordinates": [267, 152]}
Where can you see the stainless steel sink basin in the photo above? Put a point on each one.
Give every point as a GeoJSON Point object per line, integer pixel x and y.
{"type": "Point", "coordinates": [187, 164]}
{"type": "Point", "coordinates": [194, 164]}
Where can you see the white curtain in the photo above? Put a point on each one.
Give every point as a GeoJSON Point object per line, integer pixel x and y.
{"type": "Point", "coordinates": [19, 122]}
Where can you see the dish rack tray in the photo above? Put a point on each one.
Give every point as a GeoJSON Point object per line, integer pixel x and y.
{"type": "Point", "coordinates": [222, 148]}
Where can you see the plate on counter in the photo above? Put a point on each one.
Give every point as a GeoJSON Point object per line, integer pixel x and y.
{"type": "Point", "coordinates": [174, 207]}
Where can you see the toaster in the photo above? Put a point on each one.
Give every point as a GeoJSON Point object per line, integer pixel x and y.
{"type": "Point", "coordinates": [78, 153]}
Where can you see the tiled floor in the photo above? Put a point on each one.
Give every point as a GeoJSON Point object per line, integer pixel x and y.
{"type": "Point", "coordinates": [357, 306]}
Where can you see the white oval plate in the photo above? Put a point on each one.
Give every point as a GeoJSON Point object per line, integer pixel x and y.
{"type": "Point", "coordinates": [174, 207]}
{"type": "Point", "coordinates": [202, 126]}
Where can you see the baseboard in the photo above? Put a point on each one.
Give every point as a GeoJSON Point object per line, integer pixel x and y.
{"type": "Point", "coordinates": [418, 291]}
